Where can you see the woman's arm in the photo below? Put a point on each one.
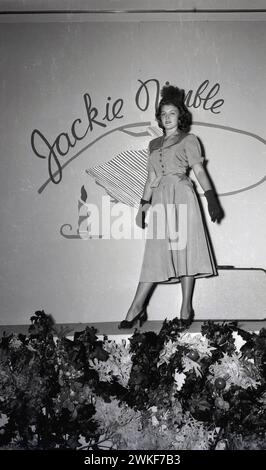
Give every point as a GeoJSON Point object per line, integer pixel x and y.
{"type": "Point", "coordinates": [147, 191]}
{"type": "Point", "coordinates": [201, 176]}
{"type": "Point", "coordinates": [145, 200]}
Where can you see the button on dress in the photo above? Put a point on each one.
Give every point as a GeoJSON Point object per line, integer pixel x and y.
{"type": "Point", "coordinates": [177, 242]}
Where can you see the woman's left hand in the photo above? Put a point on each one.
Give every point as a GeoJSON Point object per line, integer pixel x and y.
{"type": "Point", "coordinates": [214, 208]}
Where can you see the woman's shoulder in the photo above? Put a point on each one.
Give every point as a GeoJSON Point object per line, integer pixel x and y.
{"type": "Point", "coordinates": [193, 149]}
{"type": "Point", "coordinates": [191, 141]}
{"type": "Point", "coordinates": [190, 137]}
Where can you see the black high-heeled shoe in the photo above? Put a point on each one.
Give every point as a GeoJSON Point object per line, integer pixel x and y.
{"type": "Point", "coordinates": [184, 323]}
{"type": "Point", "coordinates": [141, 317]}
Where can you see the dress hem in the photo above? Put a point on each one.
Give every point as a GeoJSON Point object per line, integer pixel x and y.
{"type": "Point", "coordinates": [177, 279]}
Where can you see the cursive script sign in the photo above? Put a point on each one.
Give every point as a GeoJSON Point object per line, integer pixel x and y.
{"type": "Point", "coordinates": [147, 95]}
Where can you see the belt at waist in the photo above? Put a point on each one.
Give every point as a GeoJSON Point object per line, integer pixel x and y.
{"type": "Point", "coordinates": [158, 179]}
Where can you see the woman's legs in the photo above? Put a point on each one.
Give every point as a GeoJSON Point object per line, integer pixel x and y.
{"type": "Point", "coordinates": [187, 284]}
{"type": "Point", "coordinates": [142, 292]}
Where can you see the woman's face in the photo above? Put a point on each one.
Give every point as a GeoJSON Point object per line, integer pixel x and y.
{"type": "Point", "coordinates": [169, 117]}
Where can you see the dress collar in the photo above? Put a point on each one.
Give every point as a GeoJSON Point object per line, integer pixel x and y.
{"type": "Point", "coordinates": [172, 140]}
{"type": "Point", "coordinates": [160, 142]}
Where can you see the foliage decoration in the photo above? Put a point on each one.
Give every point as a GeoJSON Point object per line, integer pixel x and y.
{"type": "Point", "coordinates": [165, 391]}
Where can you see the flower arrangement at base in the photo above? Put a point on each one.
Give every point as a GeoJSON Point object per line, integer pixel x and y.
{"type": "Point", "coordinates": [165, 391]}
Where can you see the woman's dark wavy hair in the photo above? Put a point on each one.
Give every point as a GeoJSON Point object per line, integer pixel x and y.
{"type": "Point", "coordinates": [173, 95]}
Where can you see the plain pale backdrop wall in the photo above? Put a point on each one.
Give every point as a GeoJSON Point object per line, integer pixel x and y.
{"type": "Point", "coordinates": [46, 68]}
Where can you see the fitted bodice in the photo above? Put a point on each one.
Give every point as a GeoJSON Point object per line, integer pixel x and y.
{"type": "Point", "coordinates": [174, 155]}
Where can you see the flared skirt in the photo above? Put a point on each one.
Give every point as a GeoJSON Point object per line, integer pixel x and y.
{"type": "Point", "coordinates": [177, 242]}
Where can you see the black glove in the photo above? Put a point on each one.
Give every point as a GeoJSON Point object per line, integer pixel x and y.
{"type": "Point", "coordinates": [214, 208]}
{"type": "Point", "coordinates": [140, 217]}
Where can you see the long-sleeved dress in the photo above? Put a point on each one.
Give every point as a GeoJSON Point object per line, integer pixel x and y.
{"type": "Point", "coordinates": [177, 242]}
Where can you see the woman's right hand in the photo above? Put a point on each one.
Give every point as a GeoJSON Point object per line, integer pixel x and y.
{"type": "Point", "coordinates": [141, 214]}
{"type": "Point", "coordinates": [140, 218]}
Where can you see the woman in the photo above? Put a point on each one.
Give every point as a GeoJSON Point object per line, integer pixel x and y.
{"type": "Point", "coordinates": [187, 255]}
